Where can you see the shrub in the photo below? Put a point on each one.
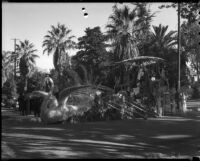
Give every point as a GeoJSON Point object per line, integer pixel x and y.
{"type": "Point", "coordinates": [196, 91]}
{"type": "Point", "coordinates": [9, 92]}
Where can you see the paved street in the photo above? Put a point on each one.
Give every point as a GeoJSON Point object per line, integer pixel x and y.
{"type": "Point", "coordinates": [167, 137]}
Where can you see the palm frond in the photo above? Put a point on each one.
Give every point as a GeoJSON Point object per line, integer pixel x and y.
{"type": "Point", "coordinates": [141, 60]}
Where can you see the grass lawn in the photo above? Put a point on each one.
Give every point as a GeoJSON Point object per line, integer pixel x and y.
{"type": "Point", "coordinates": [167, 137]}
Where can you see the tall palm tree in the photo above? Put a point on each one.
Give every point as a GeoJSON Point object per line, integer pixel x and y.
{"type": "Point", "coordinates": [161, 41]}
{"type": "Point", "coordinates": [58, 41]}
{"type": "Point", "coordinates": [27, 60]}
{"type": "Point", "coordinates": [120, 30]}
{"type": "Point", "coordinates": [124, 28]}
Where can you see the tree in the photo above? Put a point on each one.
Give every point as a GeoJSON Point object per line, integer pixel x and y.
{"type": "Point", "coordinates": [125, 31]}
{"type": "Point", "coordinates": [188, 10]}
{"type": "Point", "coordinates": [121, 32]}
{"type": "Point", "coordinates": [7, 66]}
{"type": "Point", "coordinates": [9, 91]}
{"type": "Point", "coordinates": [36, 81]}
{"type": "Point", "coordinates": [92, 53]}
{"type": "Point", "coordinates": [159, 42]}
{"type": "Point", "coordinates": [190, 40]}
{"type": "Point", "coordinates": [58, 41]}
{"type": "Point", "coordinates": [27, 60]}
{"type": "Point", "coordinates": [144, 19]}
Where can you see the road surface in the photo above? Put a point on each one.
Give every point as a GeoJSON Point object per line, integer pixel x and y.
{"type": "Point", "coordinates": [167, 137]}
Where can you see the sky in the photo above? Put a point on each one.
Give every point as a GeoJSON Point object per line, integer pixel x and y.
{"type": "Point", "coordinates": [32, 21]}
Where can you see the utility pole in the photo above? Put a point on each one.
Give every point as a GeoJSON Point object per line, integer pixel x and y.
{"type": "Point", "coordinates": [179, 55]}
{"type": "Point", "coordinates": [15, 58]}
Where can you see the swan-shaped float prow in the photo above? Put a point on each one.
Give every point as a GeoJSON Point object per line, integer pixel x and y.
{"type": "Point", "coordinates": [53, 110]}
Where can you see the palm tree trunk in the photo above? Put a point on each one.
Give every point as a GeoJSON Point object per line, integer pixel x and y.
{"type": "Point", "coordinates": [59, 80]}
{"type": "Point", "coordinates": [198, 73]}
{"type": "Point", "coordinates": [25, 84]}
{"type": "Point", "coordinates": [25, 91]}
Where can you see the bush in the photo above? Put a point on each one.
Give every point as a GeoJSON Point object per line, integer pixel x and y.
{"type": "Point", "coordinates": [196, 91]}
{"type": "Point", "coordinates": [9, 92]}
{"type": "Point", "coordinates": [100, 111]}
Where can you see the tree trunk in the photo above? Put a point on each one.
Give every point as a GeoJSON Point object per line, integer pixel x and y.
{"type": "Point", "coordinates": [198, 74]}
{"type": "Point", "coordinates": [25, 84]}
{"type": "Point", "coordinates": [59, 80]}
{"type": "Point", "coordinates": [25, 91]}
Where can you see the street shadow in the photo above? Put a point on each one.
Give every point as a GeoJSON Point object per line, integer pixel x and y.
{"type": "Point", "coordinates": [153, 138]}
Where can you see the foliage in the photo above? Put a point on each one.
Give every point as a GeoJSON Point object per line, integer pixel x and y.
{"type": "Point", "coordinates": [101, 110]}
{"type": "Point", "coordinates": [126, 30]}
{"type": "Point", "coordinates": [27, 60]}
{"type": "Point", "coordinates": [93, 110]}
{"type": "Point", "coordinates": [188, 10]}
{"type": "Point", "coordinates": [121, 31]}
{"type": "Point", "coordinates": [54, 76]}
{"type": "Point", "coordinates": [161, 43]}
{"type": "Point", "coordinates": [36, 81]}
{"type": "Point", "coordinates": [144, 19]}
{"type": "Point", "coordinates": [7, 66]}
{"type": "Point", "coordinates": [58, 41]}
{"type": "Point", "coordinates": [196, 91]}
{"type": "Point", "coordinates": [191, 48]}
{"type": "Point", "coordinates": [132, 46]}
{"type": "Point", "coordinates": [9, 91]}
{"type": "Point", "coordinates": [92, 53]}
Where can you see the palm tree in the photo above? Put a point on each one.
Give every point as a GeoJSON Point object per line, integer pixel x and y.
{"type": "Point", "coordinates": [125, 29]}
{"type": "Point", "coordinates": [58, 41]}
{"type": "Point", "coordinates": [161, 41]}
{"type": "Point", "coordinates": [27, 60]}
{"type": "Point", "coordinates": [120, 30]}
